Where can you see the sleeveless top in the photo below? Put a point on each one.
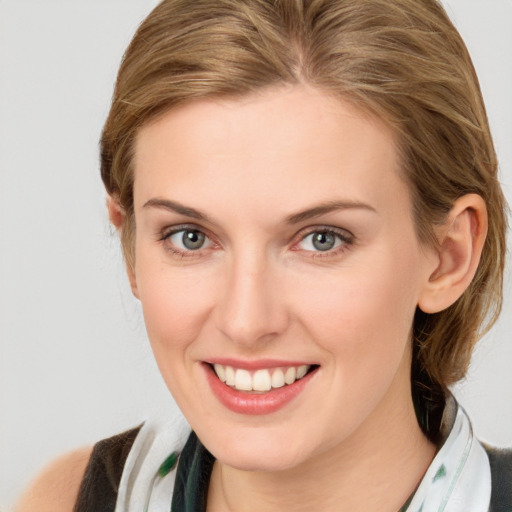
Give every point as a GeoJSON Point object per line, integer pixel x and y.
{"type": "Point", "coordinates": [465, 476]}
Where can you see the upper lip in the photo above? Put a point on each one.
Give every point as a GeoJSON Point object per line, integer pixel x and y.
{"type": "Point", "coordinates": [255, 364]}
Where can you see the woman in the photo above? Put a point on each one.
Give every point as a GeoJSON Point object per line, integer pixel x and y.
{"type": "Point", "coordinates": [307, 199]}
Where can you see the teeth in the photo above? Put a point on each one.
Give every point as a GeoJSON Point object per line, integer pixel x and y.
{"type": "Point", "coordinates": [230, 376]}
{"type": "Point", "coordinates": [260, 380]}
{"type": "Point", "coordinates": [301, 371]}
{"type": "Point", "coordinates": [243, 380]}
{"type": "Point", "coordinates": [278, 378]}
{"type": "Point", "coordinates": [290, 375]}
{"type": "Point", "coordinates": [219, 370]}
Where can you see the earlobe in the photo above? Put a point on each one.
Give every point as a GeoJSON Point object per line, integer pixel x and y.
{"type": "Point", "coordinates": [117, 217]}
{"type": "Point", "coordinates": [461, 240]}
{"type": "Point", "coordinates": [115, 212]}
{"type": "Point", "coordinates": [133, 281]}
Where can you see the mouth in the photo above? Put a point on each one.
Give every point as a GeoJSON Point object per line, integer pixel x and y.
{"type": "Point", "coordinates": [260, 380]}
{"type": "Point", "coordinates": [258, 389]}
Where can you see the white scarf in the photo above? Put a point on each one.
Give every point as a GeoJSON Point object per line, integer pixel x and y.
{"type": "Point", "coordinates": [457, 480]}
{"type": "Point", "coordinates": [459, 477]}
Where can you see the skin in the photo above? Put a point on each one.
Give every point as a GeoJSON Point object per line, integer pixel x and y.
{"type": "Point", "coordinates": [56, 488]}
{"type": "Point", "coordinates": [258, 288]}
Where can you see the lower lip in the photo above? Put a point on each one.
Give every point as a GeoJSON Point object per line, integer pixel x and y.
{"type": "Point", "coordinates": [255, 403]}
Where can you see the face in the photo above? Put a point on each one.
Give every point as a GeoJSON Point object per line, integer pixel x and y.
{"type": "Point", "coordinates": [279, 271]}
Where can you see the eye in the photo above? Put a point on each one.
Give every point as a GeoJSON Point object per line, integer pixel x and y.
{"type": "Point", "coordinates": [324, 240]}
{"type": "Point", "coordinates": [185, 240]}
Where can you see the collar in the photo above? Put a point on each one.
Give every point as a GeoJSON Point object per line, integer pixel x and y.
{"type": "Point", "coordinates": [459, 477]}
{"type": "Point", "coordinates": [457, 480]}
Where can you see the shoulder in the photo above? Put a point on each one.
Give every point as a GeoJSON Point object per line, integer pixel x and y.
{"type": "Point", "coordinates": [56, 488]}
{"type": "Point", "coordinates": [83, 480]}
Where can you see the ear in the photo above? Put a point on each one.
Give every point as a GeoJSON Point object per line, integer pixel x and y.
{"type": "Point", "coordinates": [461, 240]}
{"type": "Point", "coordinates": [117, 217]}
{"type": "Point", "coordinates": [115, 213]}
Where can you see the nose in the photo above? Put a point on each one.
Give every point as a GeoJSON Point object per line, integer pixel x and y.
{"type": "Point", "coordinates": [252, 309]}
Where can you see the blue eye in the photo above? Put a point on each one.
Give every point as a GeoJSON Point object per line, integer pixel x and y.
{"type": "Point", "coordinates": [189, 240]}
{"type": "Point", "coordinates": [323, 241]}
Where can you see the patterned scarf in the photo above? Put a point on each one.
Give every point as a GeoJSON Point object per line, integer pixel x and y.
{"type": "Point", "coordinates": [457, 480]}
{"type": "Point", "coordinates": [459, 477]}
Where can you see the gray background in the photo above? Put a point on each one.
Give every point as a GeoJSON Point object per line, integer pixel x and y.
{"type": "Point", "coordinates": [75, 365]}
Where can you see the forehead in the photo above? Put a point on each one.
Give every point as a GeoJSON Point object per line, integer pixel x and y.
{"type": "Point", "coordinates": [287, 146]}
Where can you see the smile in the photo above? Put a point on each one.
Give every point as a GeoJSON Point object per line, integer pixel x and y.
{"type": "Point", "coordinates": [258, 389]}
{"type": "Point", "coordinates": [260, 380]}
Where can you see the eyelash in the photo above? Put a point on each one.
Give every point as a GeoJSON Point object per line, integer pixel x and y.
{"type": "Point", "coordinates": [344, 239]}
{"type": "Point", "coordinates": [166, 235]}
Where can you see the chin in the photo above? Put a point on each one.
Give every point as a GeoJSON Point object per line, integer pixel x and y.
{"type": "Point", "coordinates": [257, 451]}
{"type": "Point", "coordinates": [260, 460]}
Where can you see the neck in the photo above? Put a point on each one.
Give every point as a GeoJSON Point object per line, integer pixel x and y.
{"type": "Point", "coordinates": [377, 468]}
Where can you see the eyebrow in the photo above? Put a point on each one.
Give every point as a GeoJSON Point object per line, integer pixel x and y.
{"type": "Point", "coordinates": [295, 218]}
{"type": "Point", "coordinates": [176, 207]}
{"type": "Point", "coordinates": [327, 207]}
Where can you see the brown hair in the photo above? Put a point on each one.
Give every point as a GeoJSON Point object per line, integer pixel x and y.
{"type": "Point", "coordinates": [402, 61]}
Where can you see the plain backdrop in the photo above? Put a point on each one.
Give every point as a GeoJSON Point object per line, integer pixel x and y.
{"type": "Point", "coordinates": [75, 365]}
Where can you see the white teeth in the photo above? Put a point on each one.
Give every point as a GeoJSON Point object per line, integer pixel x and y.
{"type": "Point", "coordinates": [219, 370]}
{"type": "Point", "coordinates": [230, 376]}
{"type": "Point", "coordinates": [243, 380]}
{"type": "Point", "coordinates": [278, 378]}
{"type": "Point", "coordinates": [260, 380]}
{"type": "Point", "coordinates": [290, 375]}
{"type": "Point", "coordinates": [301, 371]}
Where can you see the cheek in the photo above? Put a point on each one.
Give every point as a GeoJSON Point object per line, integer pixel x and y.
{"type": "Point", "coordinates": [361, 313]}
{"type": "Point", "coordinates": [174, 307]}
{"type": "Point", "coordinates": [175, 303]}
{"type": "Point", "coordinates": [362, 322]}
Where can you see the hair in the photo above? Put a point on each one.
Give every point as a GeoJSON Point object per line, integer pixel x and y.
{"type": "Point", "coordinates": [401, 61]}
